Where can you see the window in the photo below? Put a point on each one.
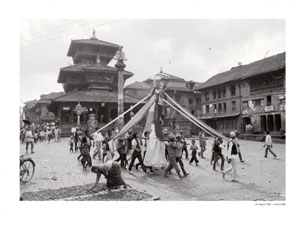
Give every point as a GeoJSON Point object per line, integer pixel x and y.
{"type": "Point", "coordinates": [257, 102]}
{"type": "Point", "coordinates": [198, 100]}
{"type": "Point", "coordinates": [233, 106]}
{"type": "Point", "coordinates": [219, 107]}
{"type": "Point", "coordinates": [215, 108]}
{"type": "Point", "coordinates": [193, 112]}
{"type": "Point", "coordinates": [190, 101]}
{"type": "Point", "coordinates": [224, 107]}
{"type": "Point", "coordinates": [219, 93]}
{"type": "Point", "coordinates": [206, 96]}
{"type": "Point", "coordinates": [177, 98]}
{"type": "Point", "coordinates": [206, 108]}
{"type": "Point", "coordinates": [245, 104]}
{"type": "Point", "coordinates": [269, 100]}
{"type": "Point", "coordinates": [65, 116]}
{"type": "Point", "coordinates": [224, 92]}
{"type": "Point", "coordinates": [232, 90]}
{"type": "Point", "coordinates": [214, 93]}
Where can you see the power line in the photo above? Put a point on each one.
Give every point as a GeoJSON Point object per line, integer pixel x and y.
{"type": "Point", "coordinates": [42, 40]}
{"type": "Point", "coordinates": [37, 42]}
{"type": "Point", "coordinates": [58, 32]}
{"type": "Point", "coordinates": [52, 27]}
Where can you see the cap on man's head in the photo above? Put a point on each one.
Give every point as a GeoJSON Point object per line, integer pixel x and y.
{"type": "Point", "coordinates": [232, 134]}
{"type": "Point", "coordinates": [171, 136]}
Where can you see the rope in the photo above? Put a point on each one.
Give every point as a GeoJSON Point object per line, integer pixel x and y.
{"type": "Point", "coordinates": [194, 122]}
{"type": "Point", "coordinates": [122, 114]}
{"type": "Point", "coordinates": [202, 125]}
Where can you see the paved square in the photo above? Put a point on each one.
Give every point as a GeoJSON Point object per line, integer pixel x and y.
{"type": "Point", "coordinates": [259, 178]}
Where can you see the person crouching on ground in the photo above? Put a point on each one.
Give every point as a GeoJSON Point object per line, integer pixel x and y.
{"type": "Point", "coordinates": [194, 149]}
{"type": "Point", "coordinates": [112, 172]}
{"type": "Point", "coordinates": [232, 152]}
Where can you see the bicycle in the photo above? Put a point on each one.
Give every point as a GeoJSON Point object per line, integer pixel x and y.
{"type": "Point", "coordinates": [27, 167]}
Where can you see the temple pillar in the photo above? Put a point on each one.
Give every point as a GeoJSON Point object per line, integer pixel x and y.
{"type": "Point", "coordinates": [120, 65]}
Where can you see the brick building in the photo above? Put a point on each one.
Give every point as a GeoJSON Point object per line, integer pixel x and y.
{"type": "Point", "coordinates": [37, 111]}
{"type": "Point", "coordinates": [247, 94]}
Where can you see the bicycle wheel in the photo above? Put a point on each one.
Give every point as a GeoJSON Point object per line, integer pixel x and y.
{"type": "Point", "coordinates": [26, 170]}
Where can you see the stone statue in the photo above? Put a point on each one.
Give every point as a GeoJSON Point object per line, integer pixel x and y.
{"type": "Point", "coordinates": [120, 55]}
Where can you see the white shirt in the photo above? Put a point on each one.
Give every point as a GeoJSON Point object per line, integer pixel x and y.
{"type": "Point", "coordinates": [134, 144]}
{"type": "Point", "coordinates": [28, 136]}
{"type": "Point", "coordinates": [268, 140]}
{"type": "Point", "coordinates": [98, 137]}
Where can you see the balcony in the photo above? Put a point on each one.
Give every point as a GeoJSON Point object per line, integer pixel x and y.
{"type": "Point", "coordinates": [262, 109]}
{"type": "Point", "coordinates": [219, 115]}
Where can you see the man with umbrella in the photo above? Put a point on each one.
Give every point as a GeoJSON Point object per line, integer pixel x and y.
{"type": "Point", "coordinates": [28, 136]}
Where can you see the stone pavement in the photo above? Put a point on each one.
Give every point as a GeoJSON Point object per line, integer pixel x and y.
{"type": "Point", "coordinates": [259, 178]}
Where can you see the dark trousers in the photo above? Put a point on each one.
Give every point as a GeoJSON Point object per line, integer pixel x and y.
{"type": "Point", "coordinates": [212, 157]}
{"type": "Point", "coordinates": [138, 164]}
{"type": "Point", "coordinates": [179, 161]}
{"type": "Point", "coordinates": [216, 157]}
{"type": "Point", "coordinates": [172, 164]}
{"type": "Point", "coordinates": [166, 155]}
{"type": "Point", "coordinates": [71, 147]}
{"type": "Point", "coordinates": [124, 161]}
{"type": "Point", "coordinates": [184, 149]}
{"type": "Point", "coordinates": [122, 158]}
{"type": "Point", "coordinates": [268, 148]}
{"type": "Point", "coordinates": [31, 145]}
{"type": "Point", "coordinates": [86, 161]}
{"type": "Point", "coordinates": [194, 157]}
{"type": "Point", "coordinates": [137, 155]}
{"type": "Point", "coordinates": [202, 150]}
{"type": "Point", "coordinates": [76, 145]}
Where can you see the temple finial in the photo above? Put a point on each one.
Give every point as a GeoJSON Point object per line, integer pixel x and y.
{"type": "Point", "coordinates": [94, 35]}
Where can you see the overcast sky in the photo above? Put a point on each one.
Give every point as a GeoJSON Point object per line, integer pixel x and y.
{"type": "Point", "coordinates": [191, 49]}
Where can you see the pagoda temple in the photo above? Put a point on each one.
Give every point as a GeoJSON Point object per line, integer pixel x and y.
{"type": "Point", "coordinates": [91, 85]}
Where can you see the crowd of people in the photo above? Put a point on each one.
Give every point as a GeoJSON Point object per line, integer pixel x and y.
{"type": "Point", "coordinates": [30, 134]}
{"type": "Point", "coordinates": [40, 132]}
{"type": "Point", "coordinates": [131, 150]}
